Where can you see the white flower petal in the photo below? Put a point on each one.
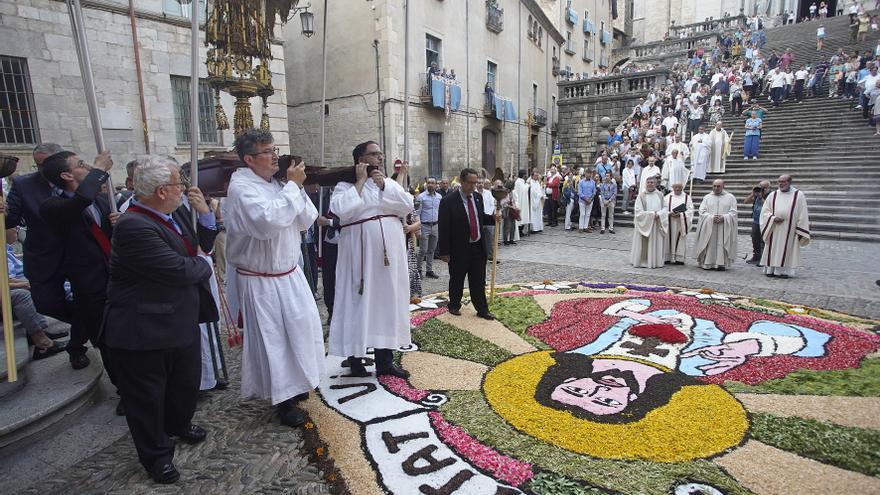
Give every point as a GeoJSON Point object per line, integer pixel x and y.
{"type": "Point", "coordinates": [428, 305]}
{"type": "Point", "coordinates": [414, 307]}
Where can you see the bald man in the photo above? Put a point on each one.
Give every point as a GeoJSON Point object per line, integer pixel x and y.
{"type": "Point", "coordinates": [785, 228]}
{"type": "Point", "coordinates": [717, 229]}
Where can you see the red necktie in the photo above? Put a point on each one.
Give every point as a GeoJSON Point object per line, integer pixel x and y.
{"type": "Point", "coordinates": [472, 216]}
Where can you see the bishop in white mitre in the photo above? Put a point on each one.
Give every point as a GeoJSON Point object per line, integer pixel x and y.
{"type": "Point", "coordinates": [785, 227]}
{"type": "Point", "coordinates": [674, 171]}
{"type": "Point", "coordinates": [651, 228]}
{"type": "Point", "coordinates": [372, 279]}
{"type": "Point", "coordinates": [717, 229]}
{"type": "Point", "coordinates": [283, 355]}
{"type": "Point", "coordinates": [700, 154]}
{"type": "Point", "coordinates": [680, 223]}
{"type": "Point", "coordinates": [719, 145]}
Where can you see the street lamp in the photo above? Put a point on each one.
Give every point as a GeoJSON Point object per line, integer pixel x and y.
{"type": "Point", "coordinates": [306, 18]}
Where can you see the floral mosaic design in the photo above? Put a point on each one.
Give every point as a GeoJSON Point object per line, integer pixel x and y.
{"type": "Point", "coordinates": [628, 390]}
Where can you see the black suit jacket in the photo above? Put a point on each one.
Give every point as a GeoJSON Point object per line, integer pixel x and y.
{"type": "Point", "coordinates": [84, 262]}
{"type": "Point", "coordinates": [157, 290]}
{"type": "Point", "coordinates": [453, 226]}
{"type": "Point", "coordinates": [43, 248]}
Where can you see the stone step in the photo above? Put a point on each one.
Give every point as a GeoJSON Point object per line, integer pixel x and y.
{"type": "Point", "coordinates": [53, 391]}
{"type": "Point", "coordinates": [22, 358]}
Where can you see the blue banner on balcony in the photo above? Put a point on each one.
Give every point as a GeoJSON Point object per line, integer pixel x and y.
{"type": "Point", "coordinates": [504, 109]}
{"type": "Point", "coordinates": [588, 26]}
{"type": "Point", "coordinates": [445, 94]}
{"type": "Point", "coordinates": [572, 16]}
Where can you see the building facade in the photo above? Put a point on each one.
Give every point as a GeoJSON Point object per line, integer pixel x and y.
{"type": "Point", "coordinates": [42, 97]}
{"type": "Point", "coordinates": [517, 48]}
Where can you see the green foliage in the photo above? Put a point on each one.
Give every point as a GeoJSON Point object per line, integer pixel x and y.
{"type": "Point", "coordinates": [553, 484]}
{"type": "Point", "coordinates": [442, 338]}
{"type": "Point", "coordinates": [863, 381]}
{"type": "Point", "coordinates": [469, 410]}
{"type": "Point", "coordinates": [518, 314]}
{"type": "Point", "coordinates": [853, 449]}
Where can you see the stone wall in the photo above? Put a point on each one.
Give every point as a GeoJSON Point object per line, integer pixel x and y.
{"type": "Point", "coordinates": [39, 31]}
{"type": "Point", "coordinates": [583, 104]}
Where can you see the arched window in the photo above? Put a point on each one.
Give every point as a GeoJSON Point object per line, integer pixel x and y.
{"type": "Point", "coordinates": [540, 35]}
{"type": "Point", "coordinates": [530, 32]}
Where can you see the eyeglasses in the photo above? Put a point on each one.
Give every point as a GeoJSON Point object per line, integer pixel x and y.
{"type": "Point", "coordinates": [82, 164]}
{"type": "Point", "coordinates": [183, 182]}
{"type": "Point", "coordinates": [274, 151]}
{"type": "Point", "coordinates": [374, 153]}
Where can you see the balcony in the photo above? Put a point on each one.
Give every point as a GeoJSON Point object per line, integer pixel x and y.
{"type": "Point", "coordinates": [498, 107]}
{"type": "Point", "coordinates": [571, 17]}
{"type": "Point", "coordinates": [540, 117]}
{"type": "Point", "coordinates": [555, 66]}
{"type": "Point", "coordinates": [494, 16]}
{"type": "Point", "coordinates": [439, 92]}
{"type": "Point", "coordinates": [621, 84]}
{"type": "Point", "coordinates": [569, 48]}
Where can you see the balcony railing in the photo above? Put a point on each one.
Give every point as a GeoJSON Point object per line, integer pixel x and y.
{"type": "Point", "coordinates": [673, 47]}
{"type": "Point", "coordinates": [494, 16]}
{"type": "Point", "coordinates": [709, 25]}
{"type": "Point", "coordinates": [450, 91]}
{"type": "Point", "coordinates": [621, 84]}
{"type": "Point", "coordinates": [498, 107]}
{"type": "Point", "coordinates": [540, 117]}
{"type": "Point", "coordinates": [569, 48]}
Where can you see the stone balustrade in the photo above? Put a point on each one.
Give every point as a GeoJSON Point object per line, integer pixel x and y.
{"type": "Point", "coordinates": [730, 22]}
{"type": "Point", "coordinates": [618, 84]}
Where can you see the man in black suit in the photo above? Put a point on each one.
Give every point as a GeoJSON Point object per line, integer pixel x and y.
{"type": "Point", "coordinates": [80, 215]}
{"type": "Point", "coordinates": [43, 249]}
{"type": "Point", "coordinates": [460, 224]}
{"type": "Point", "coordinates": [157, 295]}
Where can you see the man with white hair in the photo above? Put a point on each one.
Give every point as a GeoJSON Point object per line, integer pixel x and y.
{"type": "Point", "coordinates": [283, 356]}
{"type": "Point", "coordinates": [158, 293]}
{"type": "Point", "coordinates": [717, 229]}
{"type": "Point", "coordinates": [785, 227]}
{"type": "Point", "coordinates": [681, 220]}
{"type": "Point", "coordinates": [700, 153]}
{"type": "Point", "coordinates": [674, 171]}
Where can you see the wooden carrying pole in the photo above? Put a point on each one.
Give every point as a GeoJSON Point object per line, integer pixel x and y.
{"type": "Point", "coordinates": [498, 193]}
{"type": "Point", "coordinates": [7, 167]}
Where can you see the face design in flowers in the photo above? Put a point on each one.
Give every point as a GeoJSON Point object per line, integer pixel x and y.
{"type": "Point", "coordinates": [603, 392]}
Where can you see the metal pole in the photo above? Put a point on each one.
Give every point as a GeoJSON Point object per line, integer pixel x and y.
{"type": "Point", "coordinates": [406, 81]}
{"type": "Point", "coordinates": [519, 88]}
{"type": "Point", "coordinates": [85, 67]}
{"type": "Point", "coordinates": [467, 79]}
{"type": "Point", "coordinates": [323, 78]}
{"type": "Point", "coordinates": [194, 103]}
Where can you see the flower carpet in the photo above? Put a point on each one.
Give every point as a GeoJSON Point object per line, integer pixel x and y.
{"type": "Point", "coordinates": [596, 388]}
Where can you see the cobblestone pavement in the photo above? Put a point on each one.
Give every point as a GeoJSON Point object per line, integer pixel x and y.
{"type": "Point", "coordinates": [247, 451]}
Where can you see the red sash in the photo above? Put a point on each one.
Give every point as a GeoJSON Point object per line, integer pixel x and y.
{"type": "Point", "coordinates": [100, 237]}
{"type": "Point", "coordinates": [143, 211]}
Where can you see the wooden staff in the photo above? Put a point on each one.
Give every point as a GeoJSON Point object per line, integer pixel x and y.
{"type": "Point", "coordinates": [7, 167]}
{"type": "Point", "coordinates": [498, 193]}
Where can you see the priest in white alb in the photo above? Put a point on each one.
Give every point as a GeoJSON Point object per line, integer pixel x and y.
{"type": "Point", "coordinates": [717, 229]}
{"type": "Point", "coordinates": [535, 202]}
{"type": "Point", "coordinates": [648, 171]}
{"type": "Point", "coordinates": [651, 222]}
{"type": "Point", "coordinates": [371, 308]}
{"type": "Point", "coordinates": [674, 171]}
{"type": "Point", "coordinates": [521, 191]}
{"type": "Point", "coordinates": [719, 144]}
{"type": "Point", "coordinates": [676, 145]}
{"type": "Point", "coordinates": [681, 221]}
{"type": "Point", "coordinates": [283, 355]}
{"type": "Point", "coordinates": [700, 153]}
{"type": "Point", "coordinates": [785, 228]}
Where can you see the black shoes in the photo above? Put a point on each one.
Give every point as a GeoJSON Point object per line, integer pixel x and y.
{"type": "Point", "coordinates": [301, 397]}
{"type": "Point", "coordinates": [357, 367]}
{"type": "Point", "coordinates": [164, 473]}
{"type": "Point", "coordinates": [221, 384]}
{"type": "Point", "coordinates": [753, 261]}
{"type": "Point", "coordinates": [431, 275]}
{"type": "Point", "coordinates": [289, 415]}
{"type": "Point", "coordinates": [193, 434]}
{"type": "Point", "coordinates": [49, 351]}
{"type": "Point", "coordinates": [393, 371]}
{"type": "Point", "coordinates": [486, 316]}
{"type": "Point", "coordinates": [120, 408]}
{"type": "Point", "coordinates": [80, 361]}
{"type": "Point", "coordinates": [456, 312]}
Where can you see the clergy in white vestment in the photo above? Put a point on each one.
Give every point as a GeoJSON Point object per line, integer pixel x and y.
{"type": "Point", "coordinates": [372, 276]}
{"type": "Point", "coordinates": [521, 191]}
{"type": "Point", "coordinates": [785, 227]}
{"type": "Point", "coordinates": [283, 355]}
{"type": "Point", "coordinates": [719, 145]}
{"type": "Point", "coordinates": [680, 223]}
{"type": "Point", "coordinates": [535, 202]}
{"type": "Point", "coordinates": [649, 171]}
{"type": "Point", "coordinates": [700, 153]}
{"type": "Point", "coordinates": [651, 224]}
{"type": "Point", "coordinates": [717, 229]}
{"type": "Point", "coordinates": [674, 171]}
{"type": "Point", "coordinates": [683, 151]}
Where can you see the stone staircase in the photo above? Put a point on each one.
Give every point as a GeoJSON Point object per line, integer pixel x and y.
{"type": "Point", "coordinates": [826, 146]}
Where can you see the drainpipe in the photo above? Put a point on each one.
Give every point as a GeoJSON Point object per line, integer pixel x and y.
{"type": "Point", "coordinates": [140, 78]}
{"type": "Point", "coordinates": [406, 81]}
{"type": "Point", "coordinates": [379, 98]}
{"type": "Point", "coordinates": [467, 89]}
{"type": "Point", "coordinates": [519, 87]}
